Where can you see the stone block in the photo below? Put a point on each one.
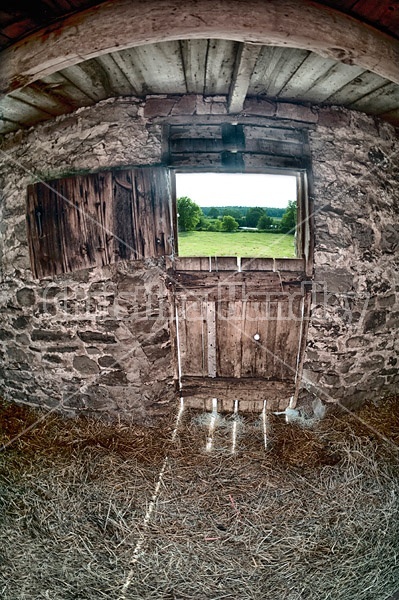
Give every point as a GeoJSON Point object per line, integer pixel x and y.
{"type": "Point", "coordinates": [48, 335]}
{"type": "Point", "coordinates": [108, 362]}
{"type": "Point", "coordinates": [259, 106]}
{"type": "Point", "coordinates": [60, 349]}
{"type": "Point", "coordinates": [158, 107]}
{"type": "Point", "coordinates": [85, 365]}
{"type": "Point", "coordinates": [21, 322]}
{"type": "Point", "coordinates": [53, 358]}
{"type": "Point", "coordinates": [186, 105]}
{"type": "Point", "coordinates": [390, 238]}
{"type": "Point", "coordinates": [96, 337]}
{"type": "Point", "coordinates": [117, 377]}
{"type": "Point", "coordinates": [6, 335]}
{"type": "Point", "coordinates": [26, 297]}
{"type": "Point", "coordinates": [296, 112]}
{"type": "Point", "coordinates": [334, 117]}
{"type": "Point", "coordinates": [374, 320]}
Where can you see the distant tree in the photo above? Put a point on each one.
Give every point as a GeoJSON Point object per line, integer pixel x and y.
{"type": "Point", "coordinates": [275, 212]}
{"type": "Point", "coordinates": [253, 215]}
{"type": "Point", "coordinates": [214, 225]}
{"type": "Point", "coordinates": [203, 223]}
{"type": "Point", "coordinates": [213, 213]}
{"type": "Point", "coordinates": [288, 220]}
{"type": "Point", "coordinates": [265, 222]}
{"type": "Point", "coordinates": [232, 212]}
{"type": "Point", "coordinates": [229, 224]}
{"type": "Point", "coordinates": [189, 214]}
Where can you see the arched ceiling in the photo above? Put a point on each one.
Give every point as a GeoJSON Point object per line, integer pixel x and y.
{"type": "Point", "coordinates": [44, 76]}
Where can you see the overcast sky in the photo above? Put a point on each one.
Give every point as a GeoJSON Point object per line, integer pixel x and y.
{"type": "Point", "coordinates": [235, 189]}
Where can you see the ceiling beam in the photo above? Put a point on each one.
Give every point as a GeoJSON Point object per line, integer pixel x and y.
{"type": "Point", "coordinates": [245, 63]}
{"type": "Point", "coordinates": [118, 24]}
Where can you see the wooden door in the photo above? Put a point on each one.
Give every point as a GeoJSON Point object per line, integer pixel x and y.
{"type": "Point", "coordinates": [240, 334]}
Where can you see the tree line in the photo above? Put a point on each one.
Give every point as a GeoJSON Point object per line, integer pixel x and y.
{"type": "Point", "coordinates": [230, 218]}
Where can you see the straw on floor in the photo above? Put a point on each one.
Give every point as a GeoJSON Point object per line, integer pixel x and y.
{"type": "Point", "coordinates": [314, 517]}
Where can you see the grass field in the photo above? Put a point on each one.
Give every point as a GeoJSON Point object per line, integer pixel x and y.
{"type": "Point", "coordinates": [244, 244]}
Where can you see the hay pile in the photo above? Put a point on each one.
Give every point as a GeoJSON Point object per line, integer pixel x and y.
{"type": "Point", "coordinates": [315, 517]}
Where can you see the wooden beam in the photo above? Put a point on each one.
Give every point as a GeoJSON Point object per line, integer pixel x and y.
{"type": "Point", "coordinates": [245, 63]}
{"type": "Point", "coordinates": [118, 24]}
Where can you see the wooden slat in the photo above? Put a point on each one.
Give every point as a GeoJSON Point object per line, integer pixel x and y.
{"type": "Point", "coordinates": [331, 82]}
{"type": "Point", "coordinates": [211, 341]}
{"type": "Point", "coordinates": [161, 67]}
{"type": "Point", "coordinates": [205, 263]}
{"type": "Point", "coordinates": [277, 134]}
{"type": "Point", "coordinates": [193, 337]}
{"type": "Point", "coordinates": [357, 88]}
{"type": "Point", "coordinates": [256, 161]}
{"type": "Point", "coordinates": [90, 79]}
{"type": "Point", "coordinates": [129, 65]}
{"type": "Point", "coordinates": [312, 69]}
{"type": "Point", "coordinates": [250, 393]}
{"type": "Point", "coordinates": [229, 323]}
{"type": "Point", "coordinates": [380, 101]}
{"type": "Point", "coordinates": [246, 58]}
{"type": "Point", "coordinates": [194, 54]}
{"type": "Point", "coordinates": [118, 83]}
{"type": "Point", "coordinates": [192, 131]}
{"type": "Point", "coordinates": [64, 91]}
{"type": "Point", "coordinates": [219, 66]}
{"type": "Point", "coordinates": [125, 244]}
{"type": "Point", "coordinates": [274, 68]}
{"type": "Point", "coordinates": [18, 111]}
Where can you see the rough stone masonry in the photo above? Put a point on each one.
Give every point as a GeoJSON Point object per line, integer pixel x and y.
{"type": "Point", "coordinates": [97, 341]}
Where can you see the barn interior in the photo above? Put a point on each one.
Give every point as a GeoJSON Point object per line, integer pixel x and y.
{"type": "Point", "coordinates": [227, 426]}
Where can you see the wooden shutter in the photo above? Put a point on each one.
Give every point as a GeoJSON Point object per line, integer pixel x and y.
{"type": "Point", "coordinates": [98, 219]}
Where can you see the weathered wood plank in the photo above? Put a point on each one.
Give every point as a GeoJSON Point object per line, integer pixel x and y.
{"type": "Point", "coordinates": [229, 323]}
{"type": "Point", "coordinates": [129, 66]}
{"type": "Point", "coordinates": [312, 69]}
{"type": "Point", "coordinates": [274, 68]}
{"type": "Point", "coordinates": [278, 134]}
{"type": "Point", "coordinates": [219, 66]}
{"type": "Point", "coordinates": [331, 82]}
{"type": "Point", "coordinates": [250, 393]}
{"type": "Point", "coordinates": [194, 54]}
{"type": "Point", "coordinates": [379, 101]}
{"type": "Point", "coordinates": [246, 58]}
{"type": "Point", "coordinates": [261, 162]}
{"type": "Point", "coordinates": [193, 337]}
{"type": "Point", "coordinates": [357, 88]}
{"type": "Point", "coordinates": [160, 66]}
{"type": "Point", "coordinates": [124, 219]}
{"type": "Point", "coordinates": [193, 131]}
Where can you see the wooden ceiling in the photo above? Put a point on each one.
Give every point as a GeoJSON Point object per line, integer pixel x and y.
{"type": "Point", "coordinates": [196, 66]}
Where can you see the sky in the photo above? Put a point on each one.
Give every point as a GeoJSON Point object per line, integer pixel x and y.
{"type": "Point", "coordinates": [236, 189]}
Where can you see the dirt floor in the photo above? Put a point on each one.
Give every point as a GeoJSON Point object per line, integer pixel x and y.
{"type": "Point", "coordinates": [91, 511]}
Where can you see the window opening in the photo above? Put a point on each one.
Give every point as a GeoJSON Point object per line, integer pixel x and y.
{"type": "Point", "coordinates": [248, 215]}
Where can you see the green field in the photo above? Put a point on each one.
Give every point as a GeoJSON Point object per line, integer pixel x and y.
{"type": "Point", "coordinates": [244, 244]}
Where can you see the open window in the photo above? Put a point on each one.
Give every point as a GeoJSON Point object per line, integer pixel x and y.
{"type": "Point", "coordinates": [241, 191]}
{"type": "Point", "coordinates": [248, 215]}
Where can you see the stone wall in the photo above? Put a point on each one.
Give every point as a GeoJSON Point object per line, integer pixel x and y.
{"type": "Point", "coordinates": [95, 341]}
{"type": "Point", "coordinates": [353, 343]}
{"type": "Point", "coordinates": [98, 341]}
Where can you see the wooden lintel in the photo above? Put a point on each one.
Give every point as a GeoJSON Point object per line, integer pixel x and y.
{"type": "Point", "coordinates": [246, 60]}
{"type": "Point", "coordinates": [118, 24]}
